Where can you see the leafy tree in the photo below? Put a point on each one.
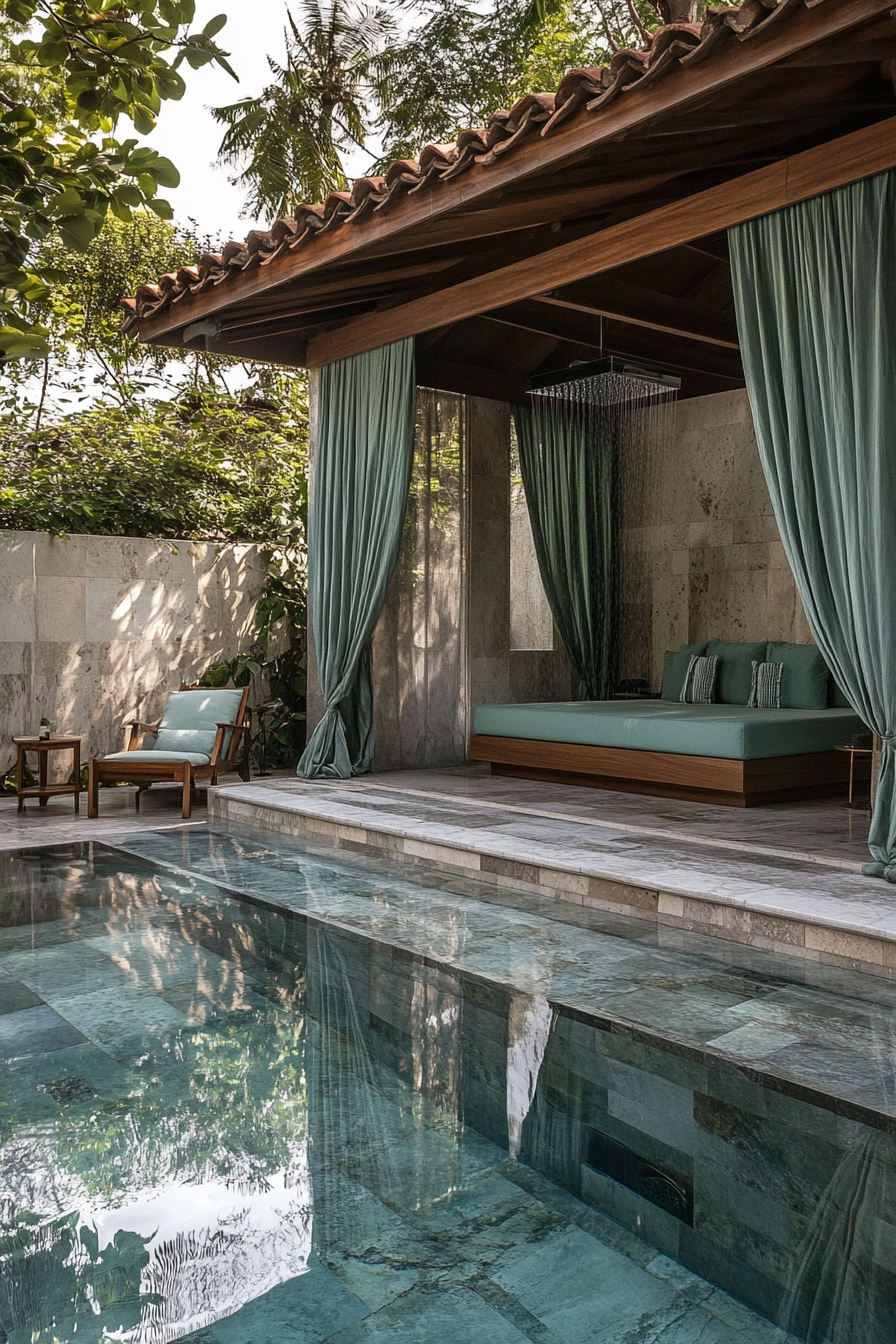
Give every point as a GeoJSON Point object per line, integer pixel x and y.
{"type": "Point", "coordinates": [71, 70]}
{"type": "Point", "coordinates": [206, 467]}
{"type": "Point", "coordinates": [86, 354]}
{"type": "Point", "coordinates": [464, 62]}
{"type": "Point", "coordinates": [289, 143]}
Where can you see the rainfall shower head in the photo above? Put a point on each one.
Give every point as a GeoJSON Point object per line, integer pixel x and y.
{"type": "Point", "coordinates": [613, 365]}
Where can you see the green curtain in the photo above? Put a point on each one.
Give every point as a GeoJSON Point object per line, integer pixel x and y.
{"type": "Point", "coordinates": [815, 290]}
{"type": "Point", "coordinates": [359, 488]}
{"type": "Point", "coordinates": [568, 465]}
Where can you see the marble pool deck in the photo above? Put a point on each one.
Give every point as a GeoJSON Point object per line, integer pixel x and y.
{"type": "Point", "coordinates": [786, 878]}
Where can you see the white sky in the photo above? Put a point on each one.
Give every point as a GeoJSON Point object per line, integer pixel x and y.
{"type": "Point", "coordinates": [188, 135]}
{"type": "Point", "coordinates": [186, 132]}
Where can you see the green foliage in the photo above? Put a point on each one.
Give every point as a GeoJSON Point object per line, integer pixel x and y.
{"type": "Point", "coordinates": [350, 74]}
{"type": "Point", "coordinates": [55, 1271]}
{"type": "Point", "coordinates": [72, 71]}
{"type": "Point", "coordinates": [86, 354]}
{"type": "Point", "coordinates": [208, 468]}
{"type": "Point", "coordinates": [289, 142]}
{"type": "Point", "coordinates": [464, 62]}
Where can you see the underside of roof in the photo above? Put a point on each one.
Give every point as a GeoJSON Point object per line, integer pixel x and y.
{"type": "Point", "coordinates": [702, 111]}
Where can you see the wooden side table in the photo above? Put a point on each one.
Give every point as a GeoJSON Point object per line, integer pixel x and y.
{"type": "Point", "coordinates": [44, 791]}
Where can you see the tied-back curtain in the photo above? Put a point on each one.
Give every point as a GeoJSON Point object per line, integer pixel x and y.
{"type": "Point", "coordinates": [359, 489]}
{"type": "Point", "coordinates": [568, 468]}
{"type": "Point", "coordinates": [815, 289]}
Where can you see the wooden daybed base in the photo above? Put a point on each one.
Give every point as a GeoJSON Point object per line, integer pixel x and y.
{"type": "Point", "coordinates": [704, 779]}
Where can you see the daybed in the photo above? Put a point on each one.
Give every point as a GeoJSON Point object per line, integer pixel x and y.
{"type": "Point", "coordinates": [722, 752]}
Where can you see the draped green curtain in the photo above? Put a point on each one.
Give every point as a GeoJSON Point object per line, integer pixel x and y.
{"type": "Point", "coordinates": [359, 489]}
{"type": "Point", "coordinates": [815, 289]}
{"type": "Point", "coordinates": [568, 465]}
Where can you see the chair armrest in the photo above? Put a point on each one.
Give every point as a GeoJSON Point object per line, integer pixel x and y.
{"type": "Point", "coordinates": [223, 728]}
{"type": "Point", "coordinates": [135, 730]}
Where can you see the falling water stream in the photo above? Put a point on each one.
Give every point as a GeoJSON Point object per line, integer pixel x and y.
{"type": "Point", "coordinates": [628, 417]}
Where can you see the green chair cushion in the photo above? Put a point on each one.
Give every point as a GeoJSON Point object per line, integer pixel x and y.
{"type": "Point", "coordinates": [804, 681]}
{"type": "Point", "coordinates": [736, 669]}
{"type": "Point", "coordinates": [731, 731]}
{"type": "Point", "coordinates": [158, 757]}
{"type": "Point", "coordinates": [676, 669]}
{"type": "Point", "coordinates": [185, 740]}
{"type": "Point", "coordinates": [189, 720]}
{"type": "Point", "coordinates": [201, 709]}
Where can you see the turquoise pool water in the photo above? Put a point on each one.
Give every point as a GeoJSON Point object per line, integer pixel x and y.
{"type": "Point", "coordinates": [253, 1093]}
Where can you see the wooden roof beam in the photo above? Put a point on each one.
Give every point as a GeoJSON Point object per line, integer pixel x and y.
{"type": "Point", "coordinates": [643, 308]}
{"type": "Point", "coordinates": [814, 172]}
{"type": "Point", "coordinates": [620, 339]}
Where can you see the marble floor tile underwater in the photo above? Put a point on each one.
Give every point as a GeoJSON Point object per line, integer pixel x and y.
{"type": "Point", "coordinates": [256, 1094]}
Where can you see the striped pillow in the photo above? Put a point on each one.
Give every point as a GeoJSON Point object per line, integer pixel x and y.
{"type": "Point", "coordinates": [700, 680]}
{"type": "Point", "coordinates": [765, 688]}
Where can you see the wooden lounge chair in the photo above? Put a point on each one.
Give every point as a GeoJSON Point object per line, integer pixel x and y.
{"type": "Point", "coordinates": [202, 733]}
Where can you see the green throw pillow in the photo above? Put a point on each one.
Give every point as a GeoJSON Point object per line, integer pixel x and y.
{"type": "Point", "coordinates": [676, 669]}
{"type": "Point", "coordinates": [804, 681]}
{"type": "Point", "coordinates": [700, 680]}
{"type": "Point", "coordinates": [736, 669]}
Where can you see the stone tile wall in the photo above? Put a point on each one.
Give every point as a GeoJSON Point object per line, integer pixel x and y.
{"type": "Point", "coordinates": [701, 538]}
{"type": "Point", "coordinates": [95, 630]}
{"type": "Point", "coordinates": [785, 1204]}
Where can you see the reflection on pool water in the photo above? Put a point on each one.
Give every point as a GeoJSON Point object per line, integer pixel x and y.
{"type": "Point", "coordinates": [349, 1106]}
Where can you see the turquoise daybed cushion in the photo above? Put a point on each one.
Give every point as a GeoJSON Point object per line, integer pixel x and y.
{"type": "Point", "coordinates": [730, 731]}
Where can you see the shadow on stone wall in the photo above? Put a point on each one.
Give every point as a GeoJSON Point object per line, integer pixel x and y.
{"type": "Point", "coordinates": [95, 630]}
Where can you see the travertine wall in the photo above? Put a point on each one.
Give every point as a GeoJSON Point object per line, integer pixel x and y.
{"type": "Point", "coordinates": [702, 540]}
{"type": "Point", "coordinates": [95, 630]}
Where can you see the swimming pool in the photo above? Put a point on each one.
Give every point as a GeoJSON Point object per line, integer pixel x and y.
{"type": "Point", "coordinates": [254, 1092]}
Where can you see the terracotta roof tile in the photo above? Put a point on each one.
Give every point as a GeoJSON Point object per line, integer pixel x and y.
{"type": "Point", "coordinates": [580, 93]}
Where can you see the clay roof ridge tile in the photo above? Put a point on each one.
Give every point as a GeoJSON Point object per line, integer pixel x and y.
{"type": "Point", "coordinates": [575, 89]}
{"type": "Point", "coordinates": [230, 251]}
{"type": "Point", "coordinates": [208, 263]}
{"type": "Point", "coordinates": [442, 155]}
{"type": "Point", "coordinates": [536, 112]}
{"type": "Point", "coordinates": [718, 28]}
{"type": "Point", "coordinates": [400, 168]}
{"type": "Point", "coordinates": [777, 12]}
{"type": "Point", "coordinates": [474, 136]}
{"type": "Point", "coordinates": [282, 229]}
{"type": "Point", "coordinates": [399, 186]}
{"type": "Point", "coordinates": [259, 240]}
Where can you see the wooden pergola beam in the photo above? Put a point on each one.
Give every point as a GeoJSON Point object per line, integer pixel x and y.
{"type": "Point", "coordinates": [837, 163]}
{"type": "Point", "coordinates": [656, 312]}
{"type": "Point", "coordinates": [629, 341]}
